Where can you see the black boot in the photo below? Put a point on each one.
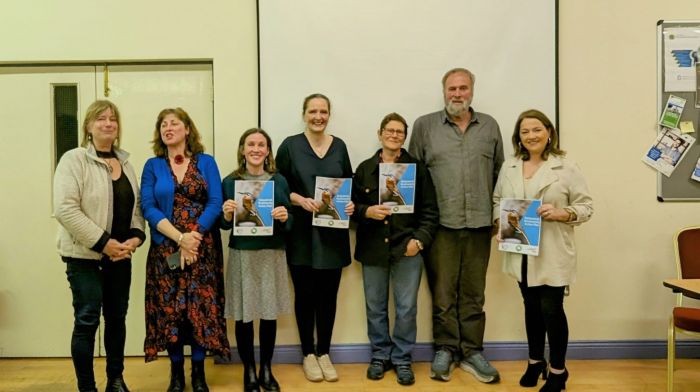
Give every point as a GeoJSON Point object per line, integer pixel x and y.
{"type": "Point", "coordinates": [268, 333]}
{"type": "Point", "coordinates": [199, 382]}
{"type": "Point", "coordinates": [532, 374]}
{"type": "Point", "coordinates": [266, 379]}
{"type": "Point", "coordinates": [555, 382]}
{"type": "Point", "coordinates": [250, 380]}
{"type": "Point", "coordinates": [116, 384]}
{"type": "Point", "coordinates": [177, 377]}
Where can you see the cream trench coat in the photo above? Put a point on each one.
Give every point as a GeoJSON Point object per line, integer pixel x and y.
{"type": "Point", "coordinates": [560, 183]}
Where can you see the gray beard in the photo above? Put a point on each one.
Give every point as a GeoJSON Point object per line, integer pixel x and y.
{"type": "Point", "coordinates": [454, 109]}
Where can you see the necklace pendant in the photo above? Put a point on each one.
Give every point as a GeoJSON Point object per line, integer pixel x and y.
{"type": "Point", "coordinates": [179, 159]}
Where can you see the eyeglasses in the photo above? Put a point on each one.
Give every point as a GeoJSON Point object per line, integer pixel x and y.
{"type": "Point", "coordinates": [394, 132]}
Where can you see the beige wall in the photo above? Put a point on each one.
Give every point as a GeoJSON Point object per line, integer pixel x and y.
{"type": "Point", "coordinates": [607, 110]}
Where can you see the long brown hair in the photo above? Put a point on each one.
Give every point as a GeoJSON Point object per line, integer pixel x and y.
{"type": "Point", "coordinates": [269, 165]}
{"type": "Point", "coordinates": [552, 146]}
{"type": "Point", "coordinates": [193, 144]}
{"type": "Point", "coordinates": [94, 111]}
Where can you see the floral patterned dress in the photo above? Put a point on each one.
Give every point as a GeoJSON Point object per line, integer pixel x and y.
{"type": "Point", "coordinates": [186, 304]}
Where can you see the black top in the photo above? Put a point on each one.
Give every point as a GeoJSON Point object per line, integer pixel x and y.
{"type": "Point", "coordinates": [277, 240]}
{"type": "Point", "coordinates": [307, 245]}
{"type": "Point", "coordinates": [380, 242]}
{"type": "Point", "coordinates": [122, 210]}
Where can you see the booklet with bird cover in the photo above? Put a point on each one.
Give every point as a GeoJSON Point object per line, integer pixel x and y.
{"type": "Point", "coordinates": [332, 194]}
{"type": "Point", "coordinates": [520, 226]}
{"type": "Point", "coordinates": [397, 186]}
{"type": "Point", "coordinates": [255, 201]}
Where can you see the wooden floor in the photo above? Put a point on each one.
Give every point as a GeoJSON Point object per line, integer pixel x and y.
{"type": "Point", "coordinates": [56, 375]}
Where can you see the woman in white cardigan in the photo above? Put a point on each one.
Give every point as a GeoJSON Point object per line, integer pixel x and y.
{"type": "Point", "coordinates": [539, 171]}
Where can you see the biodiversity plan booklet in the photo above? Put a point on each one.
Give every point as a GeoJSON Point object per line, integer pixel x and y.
{"type": "Point", "coordinates": [520, 226]}
{"type": "Point", "coordinates": [397, 186]}
{"type": "Point", "coordinates": [253, 215]}
{"type": "Point", "coordinates": [333, 194]}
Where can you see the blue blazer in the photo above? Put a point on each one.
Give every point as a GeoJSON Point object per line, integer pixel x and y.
{"type": "Point", "coordinates": [158, 194]}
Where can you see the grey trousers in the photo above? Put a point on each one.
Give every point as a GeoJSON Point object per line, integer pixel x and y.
{"type": "Point", "coordinates": [456, 268]}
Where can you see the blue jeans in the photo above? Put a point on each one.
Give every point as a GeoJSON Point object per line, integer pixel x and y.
{"type": "Point", "coordinates": [98, 287]}
{"type": "Point", "coordinates": [405, 275]}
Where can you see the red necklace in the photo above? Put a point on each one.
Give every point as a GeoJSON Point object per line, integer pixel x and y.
{"type": "Point", "coordinates": [179, 159]}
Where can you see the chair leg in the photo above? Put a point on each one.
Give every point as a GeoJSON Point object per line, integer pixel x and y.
{"type": "Point", "coordinates": [671, 350]}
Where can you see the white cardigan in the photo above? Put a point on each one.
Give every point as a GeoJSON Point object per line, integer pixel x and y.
{"type": "Point", "coordinates": [82, 200]}
{"type": "Point", "coordinates": [561, 184]}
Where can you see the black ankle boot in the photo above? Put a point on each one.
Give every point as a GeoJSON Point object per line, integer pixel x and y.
{"type": "Point", "coordinates": [532, 374]}
{"type": "Point", "coordinates": [199, 381]}
{"type": "Point", "coordinates": [266, 379]}
{"type": "Point", "coordinates": [177, 377]}
{"type": "Point", "coordinates": [116, 384]}
{"type": "Point", "coordinates": [555, 382]}
{"type": "Point", "coordinates": [250, 379]}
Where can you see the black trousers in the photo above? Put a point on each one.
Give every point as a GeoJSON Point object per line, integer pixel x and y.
{"type": "Point", "coordinates": [544, 315]}
{"type": "Point", "coordinates": [316, 295]}
{"type": "Point", "coordinates": [98, 287]}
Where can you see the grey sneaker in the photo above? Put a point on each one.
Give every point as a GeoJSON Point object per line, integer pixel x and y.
{"type": "Point", "coordinates": [478, 366]}
{"type": "Point", "coordinates": [442, 365]}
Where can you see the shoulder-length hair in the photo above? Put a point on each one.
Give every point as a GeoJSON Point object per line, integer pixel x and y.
{"type": "Point", "coordinates": [552, 146]}
{"type": "Point", "coordinates": [269, 164]}
{"type": "Point", "coordinates": [193, 144]}
{"type": "Point", "coordinates": [94, 111]}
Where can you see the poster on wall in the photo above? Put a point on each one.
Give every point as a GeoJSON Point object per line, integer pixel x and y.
{"type": "Point", "coordinates": [668, 149]}
{"type": "Point", "coordinates": [672, 113]}
{"type": "Point", "coordinates": [681, 47]}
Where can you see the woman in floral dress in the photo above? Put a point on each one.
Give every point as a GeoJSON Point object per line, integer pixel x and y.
{"type": "Point", "coordinates": [181, 199]}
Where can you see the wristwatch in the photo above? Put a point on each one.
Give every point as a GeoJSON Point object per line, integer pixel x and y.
{"type": "Point", "coordinates": [419, 243]}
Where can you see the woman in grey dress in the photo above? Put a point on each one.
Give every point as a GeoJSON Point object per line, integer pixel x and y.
{"type": "Point", "coordinates": [256, 275]}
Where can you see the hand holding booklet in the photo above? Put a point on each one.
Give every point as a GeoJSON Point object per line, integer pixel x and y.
{"type": "Point", "coordinates": [520, 226]}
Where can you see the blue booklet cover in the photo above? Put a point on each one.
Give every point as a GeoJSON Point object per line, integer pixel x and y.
{"type": "Point", "coordinates": [255, 200]}
{"type": "Point", "coordinates": [332, 194]}
{"type": "Point", "coordinates": [520, 226]}
{"type": "Point", "coordinates": [397, 186]}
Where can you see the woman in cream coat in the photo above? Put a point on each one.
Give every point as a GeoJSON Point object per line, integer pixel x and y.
{"type": "Point", "coordinates": [539, 171]}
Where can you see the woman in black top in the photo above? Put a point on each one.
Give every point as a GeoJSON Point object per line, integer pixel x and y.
{"type": "Point", "coordinates": [389, 247]}
{"type": "Point", "coordinates": [316, 255]}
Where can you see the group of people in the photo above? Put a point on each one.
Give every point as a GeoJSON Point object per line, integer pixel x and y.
{"type": "Point", "coordinates": [460, 179]}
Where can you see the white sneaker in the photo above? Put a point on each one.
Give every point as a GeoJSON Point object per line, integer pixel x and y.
{"type": "Point", "coordinates": [312, 371]}
{"type": "Point", "coordinates": [329, 373]}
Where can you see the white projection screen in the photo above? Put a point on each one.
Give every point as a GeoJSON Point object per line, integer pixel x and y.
{"type": "Point", "coordinates": [373, 57]}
